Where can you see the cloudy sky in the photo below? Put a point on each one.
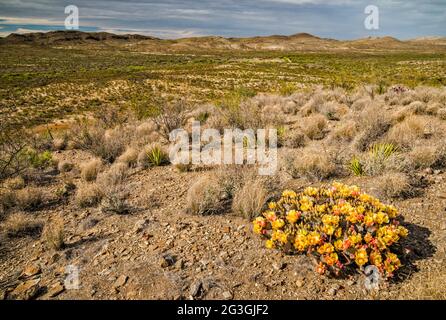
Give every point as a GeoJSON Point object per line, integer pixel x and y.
{"type": "Point", "coordinates": [340, 19]}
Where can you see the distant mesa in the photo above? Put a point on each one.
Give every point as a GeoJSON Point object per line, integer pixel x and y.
{"type": "Point", "coordinates": [53, 37]}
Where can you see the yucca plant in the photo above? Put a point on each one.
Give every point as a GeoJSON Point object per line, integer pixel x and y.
{"type": "Point", "coordinates": [355, 166]}
{"type": "Point", "coordinates": [383, 150]}
{"type": "Point", "coordinates": [156, 156]}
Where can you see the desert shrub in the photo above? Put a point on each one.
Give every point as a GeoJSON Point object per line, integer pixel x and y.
{"type": "Point", "coordinates": [404, 134]}
{"type": "Point", "coordinates": [394, 185]}
{"type": "Point", "coordinates": [39, 160]}
{"type": "Point", "coordinates": [373, 123]}
{"type": "Point", "coordinates": [314, 126]}
{"type": "Point", "coordinates": [21, 224]}
{"type": "Point", "coordinates": [29, 199]}
{"type": "Point", "coordinates": [53, 233]}
{"type": "Point", "coordinates": [342, 227]}
{"type": "Point", "coordinates": [383, 157]}
{"type": "Point", "coordinates": [115, 200]}
{"type": "Point", "coordinates": [90, 170]}
{"type": "Point", "coordinates": [65, 166]}
{"type": "Point", "coordinates": [250, 199]}
{"type": "Point", "coordinates": [207, 196]}
{"type": "Point", "coordinates": [13, 144]}
{"type": "Point", "coordinates": [333, 111]}
{"type": "Point", "coordinates": [156, 156]}
{"type": "Point", "coordinates": [114, 189]}
{"type": "Point", "coordinates": [15, 183]}
{"type": "Point", "coordinates": [312, 165]}
{"type": "Point", "coordinates": [88, 195]}
{"type": "Point", "coordinates": [59, 143]}
{"type": "Point", "coordinates": [294, 139]}
{"type": "Point", "coordinates": [171, 116]}
{"type": "Point", "coordinates": [361, 103]}
{"type": "Point", "coordinates": [8, 200]}
{"type": "Point", "coordinates": [105, 144]}
{"type": "Point", "coordinates": [345, 132]}
{"type": "Point", "coordinates": [129, 157]}
{"type": "Point", "coordinates": [424, 156]}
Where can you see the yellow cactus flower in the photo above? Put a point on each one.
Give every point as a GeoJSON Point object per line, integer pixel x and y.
{"type": "Point", "coordinates": [269, 244]}
{"type": "Point", "coordinates": [292, 216]}
{"type": "Point", "coordinates": [278, 224]}
{"type": "Point", "coordinates": [331, 259]}
{"type": "Point", "coordinates": [361, 257]}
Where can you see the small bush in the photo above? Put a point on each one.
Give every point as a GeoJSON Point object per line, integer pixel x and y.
{"type": "Point", "coordinates": [129, 157]}
{"type": "Point", "coordinates": [294, 139]}
{"type": "Point", "coordinates": [15, 183]}
{"type": "Point", "coordinates": [405, 134]}
{"type": "Point", "coordinates": [90, 170]}
{"type": "Point", "coordinates": [88, 195]}
{"type": "Point", "coordinates": [394, 185]}
{"type": "Point", "coordinates": [250, 199]}
{"type": "Point", "coordinates": [206, 197]}
{"type": "Point", "coordinates": [20, 224]}
{"type": "Point", "coordinates": [65, 166]}
{"type": "Point", "coordinates": [423, 157]}
{"type": "Point", "coordinates": [314, 127]}
{"type": "Point", "coordinates": [39, 160]}
{"type": "Point", "coordinates": [312, 165]}
{"type": "Point", "coordinates": [29, 199]}
{"type": "Point", "coordinates": [53, 233]}
{"type": "Point", "coordinates": [342, 227]}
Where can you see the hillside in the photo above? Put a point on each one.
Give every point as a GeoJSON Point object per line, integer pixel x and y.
{"type": "Point", "coordinates": [295, 42]}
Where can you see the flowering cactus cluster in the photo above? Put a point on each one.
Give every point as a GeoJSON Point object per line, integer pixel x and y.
{"type": "Point", "coordinates": [338, 224]}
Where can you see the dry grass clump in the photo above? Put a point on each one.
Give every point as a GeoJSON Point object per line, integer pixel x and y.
{"type": "Point", "coordinates": [53, 233]}
{"type": "Point", "coordinates": [20, 224]}
{"type": "Point", "coordinates": [7, 200]}
{"type": "Point", "coordinates": [88, 195]}
{"type": "Point", "coordinates": [294, 139]}
{"type": "Point", "coordinates": [405, 133]}
{"type": "Point", "coordinates": [361, 103]}
{"type": "Point", "coordinates": [106, 144]}
{"type": "Point", "coordinates": [91, 169]}
{"type": "Point", "coordinates": [15, 183]}
{"type": "Point", "coordinates": [314, 126]}
{"type": "Point", "coordinates": [59, 143]}
{"type": "Point", "coordinates": [312, 164]}
{"type": "Point", "coordinates": [114, 189]}
{"type": "Point", "coordinates": [129, 157]}
{"type": "Point", "coordinates": [346, 132]}
{"type": "Point", "coordinates": [373, 123]}
{"type": "Point", "coordinates": [29, 199]}
{"type": "Point", "coordinates": [65, 166]}
{"type": "Point", "coordinates": [394, 185]}
{"type": "Point", "coordinates": [250, 199]}
{"type": "Point", "coordinates": [206, 197]}
{"type": "Point", "coordinates": [423, 157]}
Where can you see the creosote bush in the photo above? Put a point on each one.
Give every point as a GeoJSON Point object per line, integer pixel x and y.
{"type": "Point", "coordinates": [53, 233]}
{"type": "Point", "coordinates": [91, 169]}
{"type": "Point", "coordinates": [342, 227]}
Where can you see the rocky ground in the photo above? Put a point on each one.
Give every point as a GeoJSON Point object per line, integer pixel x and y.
{"type": "Point", "coordinates": [158, 251]}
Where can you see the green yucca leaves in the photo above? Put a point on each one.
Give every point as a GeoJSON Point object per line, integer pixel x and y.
{"type": "Point", "coordinates": [383, 150]}
{"type": "Point", "coordinates": [156, 156]}
{"type": "Point", "coordinates": [356, 167]}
